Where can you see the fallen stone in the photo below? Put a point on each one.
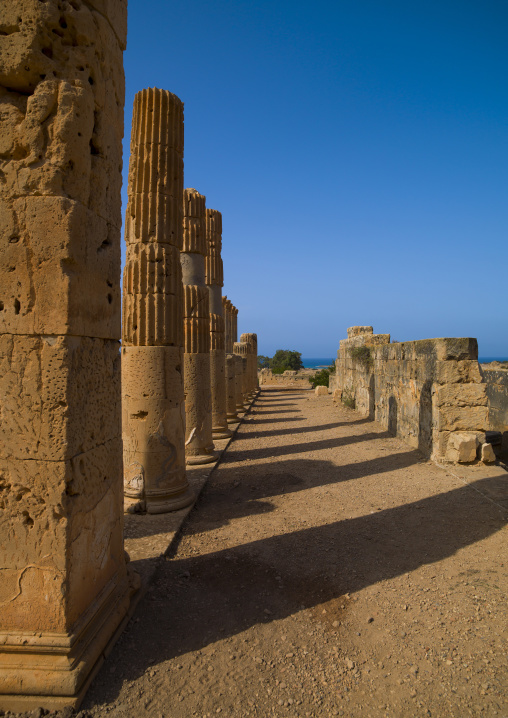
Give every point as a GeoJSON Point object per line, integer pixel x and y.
{"type": "Point", "coordinates": [488, 455]}
{"type": "Point", "coordinates": [462, 447]}
{"type": "Point", "coordinates": [321, 390]}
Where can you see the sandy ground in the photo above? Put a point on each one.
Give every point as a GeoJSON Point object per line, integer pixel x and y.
{"type": "Point", "coordinates": [327, 569]}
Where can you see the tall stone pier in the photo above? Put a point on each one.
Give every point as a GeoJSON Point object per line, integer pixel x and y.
{"type": "Point", "coordinates": [252, 362]}
{"type": "Point", "coordinates": [214, 276]}
{"type": "Point", "coordinates": [227, 306]}
{"type": "Point", "coordinates": [231, 410]}
{"type": "Point", "coordinates": [199, 448]}
{"type": "Point", "coordinates": [64, 584]}
{"type": "Point", "coordinates": [152, 338]}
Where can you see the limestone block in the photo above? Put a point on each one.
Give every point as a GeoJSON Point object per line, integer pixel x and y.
{"type": "Point", "coordinates": [463, 348]}
{"type": "Point", "coordinates": [464, 371]}
{"type": "Point", "coordinates": [153, 427]}
{"type": "Point", "coordinates": [56, 395]}
{"type": "Point", "coordinates": [154, 218]}
{"type": "Point", "coordinates": [231, 411]}
{"type": "Point", "coordinates": [59, 269]}
{"type": "Point", "coordinates": [461, 395]}
{"type": "Point", "coordinates": [359, 331]}
{"type": "Point", "coordinates": [462, 447]}
{"type": "Point", "coordinates": [61, 535]}
{"type": "Point", "coordinates": [455, 418]}
{"type": "Point", "coordinates": [488, 455]}
{"type": "Point", "coordinates": [321, 391]}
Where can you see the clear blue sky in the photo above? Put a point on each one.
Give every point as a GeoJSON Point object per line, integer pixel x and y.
{"type": "Point", "coordinates": [358, 152]}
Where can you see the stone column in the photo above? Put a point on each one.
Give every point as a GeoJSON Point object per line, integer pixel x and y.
{"type": "Point", "coordinates": [64, 583]}
{"type": "Point", "coordinates": [240, 350]}
{"type": "Point", "coordinates": [232, 414]}
{"type": "Point", "coordinates": [252, 361]}
{"type": "Point", "coordinates": [199, 448]}
{"type": "Point", "coordinates": [215, 281]}
{"type": "Point", "coordinates": [234, 324]}
{"type": "Point", "coordinates": [152, 339]}
{"type": "Point", "coordinates": [226, 307]}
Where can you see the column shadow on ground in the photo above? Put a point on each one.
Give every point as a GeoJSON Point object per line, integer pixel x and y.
{"type": "Point", "coordinates": [202, 599]}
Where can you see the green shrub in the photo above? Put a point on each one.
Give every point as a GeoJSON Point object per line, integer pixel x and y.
{"type": "Point", "coordinates": [362, 355]}
{"type": "Point", "coordinates": [322, 377]}
{"type": "Point", "coordinates": [348, 399]}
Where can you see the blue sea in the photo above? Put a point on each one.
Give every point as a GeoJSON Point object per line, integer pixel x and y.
{"type": "Point", "coordinates": [320, 362]}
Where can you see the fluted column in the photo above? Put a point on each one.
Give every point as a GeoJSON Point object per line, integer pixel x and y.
{"type": "Point", "coordinates": [234, 324]}
{"type": "Point", "coordinates": [152, 339]}
{"type": "Point", "coordinates": [215, 280]}
{"type": "Point", "coordinates": [252, 361]}
{"type": "Point", "coordinates": [199, 448]}
{"type": "Point", "coordinates": [232, 413]}
{"type": "Point", "coordinates": [240, 350]}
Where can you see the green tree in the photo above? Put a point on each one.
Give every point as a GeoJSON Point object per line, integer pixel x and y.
{"type": "Point", "coordinates": [284, 360]}
{"type": "Point", "coordinates": [322, 377]}
{"type": "Point", "coordinates": [263, 362]}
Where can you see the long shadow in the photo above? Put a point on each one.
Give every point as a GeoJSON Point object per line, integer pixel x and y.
{"type": "Point", "coordinates": [304, 447]}
{"type": "Point", "coordinates": [278, 411]}
{"type": "Point", "coordinates": [203, 599]}
{"type": "Point", "coordinates": [243, 487]}
{"type": "Point", "coordinates": [297, 430]}
{"type": "Point", "coordinates": [271, 421]}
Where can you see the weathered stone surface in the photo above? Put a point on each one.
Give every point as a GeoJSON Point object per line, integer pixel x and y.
{"type": "Point", "coordinates": [252, 361]}
{"type": "Point", "coordinates": [214, 281]}
{"type": "Point", "coordinates": [56, 395]}
{"type": "Point", "coordinates": [65, 587]}
{"type": "Point", "coordinates": [155, 191]}
{"type": "Point", "coordinates": [422, 391]}
{"type": "Point", "coordinates": [199, 448]}
{"type": "Point", "coordinates": [488, 455]}
{"type": "Point", "coordinates": [462, 447]}
{"type": "Point", "coordinates": [321, 391]}
{"type": "Point", "coordinates": [359, 331]}
{"type": "Point", "coordinates": [231, 411]}
{"type": "Point", "coordinates": [153, 413]}
{"type": "Point", "coordinates": [59, 269]}
{"type": "Point", "coordinates": [153, 427]}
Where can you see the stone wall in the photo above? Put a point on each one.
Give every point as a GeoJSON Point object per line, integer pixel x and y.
{"type": "Point", "coordinates": [290, 379]}
{"type": "Point", "coordinates": [496, 381]}
{"type": "Point", "coordinates": [423, 391]}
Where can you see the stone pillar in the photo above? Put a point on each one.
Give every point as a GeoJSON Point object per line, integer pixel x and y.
{"type": "Point", "coordinates": [64, 584]}
{"type": "Point", "coordinates": [226, 307]}
{"type": "Point", "coordinates": [234, 324]}
{"type": "Point", "coordinates": [152, 338]}
{"type": "Point", "coordinates": [215, 281]}
{"type": "Point", "coordinates": [240, 350]}
{"type": "Point", "coordinates": [232, 414]}
{"type": "Point", "coordinates": [199, 448]}
{"type": "Point", "coordinates": [252, 361]}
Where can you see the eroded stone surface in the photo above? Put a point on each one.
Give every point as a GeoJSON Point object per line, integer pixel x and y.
{"type": "Point", "coordinates": [65, 586]}
{"type": "Point", "coordinates": [153, 414]}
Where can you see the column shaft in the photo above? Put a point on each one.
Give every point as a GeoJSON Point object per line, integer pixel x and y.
{"type": "Point", "coordinates": [152, 339]}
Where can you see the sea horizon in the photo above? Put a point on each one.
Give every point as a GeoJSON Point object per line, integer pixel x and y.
{"type": "Point", "coordinates": [320, 362]}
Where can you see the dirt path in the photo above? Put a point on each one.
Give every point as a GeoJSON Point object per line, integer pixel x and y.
{"type": "Point", "coordinates": [327, 569]}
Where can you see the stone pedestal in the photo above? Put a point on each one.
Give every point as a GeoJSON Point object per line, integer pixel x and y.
{"type": "Point", "coordinates": [65, 587]}
{"type": "Point", "coordinates": [199, 448]}
{"type": "Point", "coordinates": [152, 337]}
{"type": "Point", "coordinates": [214, 281]}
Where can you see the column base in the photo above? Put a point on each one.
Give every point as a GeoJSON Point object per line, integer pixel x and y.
{"type": "Point", "coordinates": [233, 419]}
{"type": "Point", "coordinates": [201, 459]}
{"type": "Point", "coordinates": [167, 504]}
{"type": "Point", "coordinates": [221, 433]}
{"type": "Point", "coordinates": [54, 670]}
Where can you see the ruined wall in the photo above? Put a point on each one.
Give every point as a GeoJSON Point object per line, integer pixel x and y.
{"type": "Point", "coordinates": [496, 381]}
{"type": "Point", "coordinates": [61, 556]}
{"type": "Point", "coordinates": [289, 379]}
{"type": "Point", "coordinates": [423, 391]}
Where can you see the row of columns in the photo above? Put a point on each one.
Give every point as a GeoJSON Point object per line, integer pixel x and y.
{"type": "Point", "coordinates": [72, 403]}
{"type": "Point", "coordinates": [181, 361]}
